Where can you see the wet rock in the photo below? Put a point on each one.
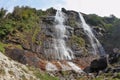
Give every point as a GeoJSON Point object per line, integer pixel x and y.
{"type": "Point", "coordinates": [51, 11]}
{"type": "Point", "coordinates": [98, 31]}
{"type": "Point", "coordinates": [98, 64]}
{"type": "Point", "coordinates": [64, 10]}
{"type": "Point", "coordinates": [22, 56]}
{"type": "Point", "coordinates": [69, 31]}
{"type": "Point", "coordinates": [114, 57]}
{"type": "Point", "coordinates": [16, 54]}
{"type": "Point", "coordinates": [79, 32]}
{"type": "Point", "coordinates": [48, 30]}
{"type": "Point", "coordinates": [48, 20]}
{"type": "Point", "coordinates": [116, 69]}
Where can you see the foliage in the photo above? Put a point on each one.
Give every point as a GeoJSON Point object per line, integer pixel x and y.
{"type": "Point", "coordinates": [36, 31]}
{"type": "Point", "coordinates": [78, 40]}
{"type": "Point", "coordinates": [42, 75]}
{"type": "Point", "coordinates": [103, 76]}
{"type": "Point", "coordinates": [21, 19]}
{"type": "Point", "coordinates": [115, 35]}
{"type": "Point", "coordinates": [105, 22]}
{"type": "Point", "coordinates": [2, 72]}
{"type": "Point", "coordinates": [2, 12]}
{"type": "Point", "coordinates": [94, 20]}
{"type": "Point", "coordinates": [111, 25]}
{"type": "Point", "coordinates": [45, 76]}
{"type": "Point", "coordinates": [3, 45]}
{"type": "Point", "coordinates": [11, 72]}
{"type": "Point", "coordinates": [2, 49]}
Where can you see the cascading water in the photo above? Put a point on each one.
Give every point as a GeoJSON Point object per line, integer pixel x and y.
{"type": "Point", "coordinates": [62, 52]}
{"type": "Point", "coordinates": [97, 47]}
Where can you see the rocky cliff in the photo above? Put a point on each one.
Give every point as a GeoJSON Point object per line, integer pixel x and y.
{"type": "Point", "coordinates": [39, 38]}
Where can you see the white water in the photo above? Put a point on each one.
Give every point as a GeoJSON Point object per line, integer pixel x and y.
{"type": "Point", "coordinates": [74, 67]}
{"type": "Point", "coordinates": [65, 67]}
{"type": "Point", "coordinates": [51, 67]}
{"type": "Point", "coordinates": [97, 47]}
{"type": "Point", "coordinates": [62, 52]}
{"type": "Point", "coordinates": [68, 66]}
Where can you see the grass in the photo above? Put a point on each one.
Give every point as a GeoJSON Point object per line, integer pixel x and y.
{"type": "Point", "coordinates": [104, 76]}
{"type": "Point", "coordinates": [37, 30]}
{"type": "Point", "coordinates": [23, 77]}
{"type": "Point", "coordinates": [11, 72]}
{"type": "Point", "coordinates": [41, 75]}
{"type": "Point", "coordinates": [78, 40]}
{"type": "Point", "coordinates": [2, 72]}
{"type": "Point", "coordinates": [2, 49]}
{"type": "Point", "coordinates": [45, 76]}
{"type": "Point", "coordinates": [3, 45]}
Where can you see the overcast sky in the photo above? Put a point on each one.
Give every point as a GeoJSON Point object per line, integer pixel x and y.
{"type": "Point", "coordinates": [100, 7]}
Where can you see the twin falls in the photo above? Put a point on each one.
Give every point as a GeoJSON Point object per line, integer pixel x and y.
{"type": "Point", "coordinates": [59, 49]}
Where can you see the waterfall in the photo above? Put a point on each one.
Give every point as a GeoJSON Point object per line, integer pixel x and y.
{"type": "Point", "coordinates": [62, 52]}
{"type": "Point", "coordinates": [96, 45]}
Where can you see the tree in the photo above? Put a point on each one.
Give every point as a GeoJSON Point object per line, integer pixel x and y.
{"type": "Point", "coordinates": [2, 12]}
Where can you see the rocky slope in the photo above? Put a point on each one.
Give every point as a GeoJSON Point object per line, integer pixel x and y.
{"type": "Point", "coordinates": [11, 70]}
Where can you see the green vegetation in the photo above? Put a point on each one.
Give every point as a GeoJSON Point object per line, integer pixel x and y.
{"type": "Point", "coordinates": [45, 76]}
{"type": "Point", "coordinates": [2, 72]}
{"type": "Point", "coordinates": [3, 45]}
{"type": "Point", "coordinates": [72, 23]}
{"type": "Point", "coordinates": [103, 76]}
{"type": "Point", "coordinates": [42, 75]}
{"type": "Point", "coordinates": [11, 72]}
{"type": "Point", "coordinates": [2, 49]}
{"type": "Point", "coordinates": [111, 24]}
{"type": "Point", "coordinates": [22, 26]}
{"type": "Point", "coordinates": [104, 22]}
{"type": "Point", "coordinates": [34, 36]}
{"type": "Point", "coordinates": [108, 76]}
{"type": "Point", "coordinates": [23, 77]}
{"type": "Point", "coordinates": [22, 19]}
{"type": "Point", "coordinates": [78, 40]}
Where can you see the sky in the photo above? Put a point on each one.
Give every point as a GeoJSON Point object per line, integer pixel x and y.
{"type": "Point", "coordinates": [100, 7]}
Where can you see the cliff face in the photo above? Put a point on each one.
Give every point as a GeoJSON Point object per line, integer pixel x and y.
{"type": "Point", "coordinates": [39, 39]}
{"type": "Point", "coordinates": [32, 46]}
{"type": "Point", "coordinates": [32, 32]}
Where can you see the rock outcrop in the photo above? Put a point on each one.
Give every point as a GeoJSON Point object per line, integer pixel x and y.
{"type": "Point", "coordinates": [11, 70]}
{"type": "Point", "coordinates": [98, 64]}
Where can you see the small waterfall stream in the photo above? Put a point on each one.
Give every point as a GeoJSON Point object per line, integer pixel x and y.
{"type": "Point", "coordinates": [96, 45]}
{"type": "Point", "coordinates": [62, 51]}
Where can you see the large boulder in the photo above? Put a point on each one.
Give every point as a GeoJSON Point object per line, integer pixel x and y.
{"type": "Point", "coordinates": [23, 56]}
{"type": "Point", "coordinates": [98, 64]}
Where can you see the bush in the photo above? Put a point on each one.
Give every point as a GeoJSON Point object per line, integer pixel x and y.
{"type": "Point", "coordinates": [2, 49]}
